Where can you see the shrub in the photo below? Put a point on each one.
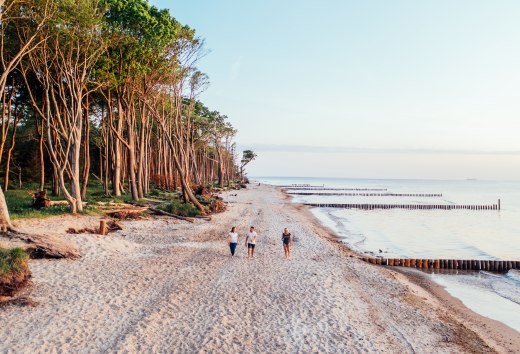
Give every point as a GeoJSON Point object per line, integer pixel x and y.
{"type": "Point", "coordinates": [179, 208]}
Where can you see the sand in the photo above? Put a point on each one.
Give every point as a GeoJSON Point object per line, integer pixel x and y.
{"type": "Point", "coordinates": [164, 285]}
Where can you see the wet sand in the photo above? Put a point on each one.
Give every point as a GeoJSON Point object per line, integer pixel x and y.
{"type": "Point", "coordinates": [164, 285]}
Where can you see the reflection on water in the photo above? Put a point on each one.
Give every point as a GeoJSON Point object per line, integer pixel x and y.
{"type": "Point", "coordinates": [450, 234]}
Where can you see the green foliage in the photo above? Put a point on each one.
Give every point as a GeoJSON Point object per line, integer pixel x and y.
{"type": "Point", "coordinates": [12, 260]}
{"type": "Point", "coordinates": [247, 157]}
{"type": "Point", "coordinates": [179, 208]}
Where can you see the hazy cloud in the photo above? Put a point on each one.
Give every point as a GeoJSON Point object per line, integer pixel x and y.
{"type": "Point", "coordinates": [258, 147]}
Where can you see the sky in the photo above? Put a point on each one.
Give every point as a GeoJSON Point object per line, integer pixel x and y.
{"type": "Point", "coordinates": [367, 88]}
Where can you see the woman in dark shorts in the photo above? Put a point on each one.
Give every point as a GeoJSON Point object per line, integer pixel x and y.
{"type": "Point", "coordinates": [287, 242]}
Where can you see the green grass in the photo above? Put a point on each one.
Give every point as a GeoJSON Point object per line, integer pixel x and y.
{"type": "Point", "coordinates": [12, 260]}
{"type": "Point", "coordinates": [19, 202]}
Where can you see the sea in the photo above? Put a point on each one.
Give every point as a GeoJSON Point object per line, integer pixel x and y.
{"type": "Point", "coordinates": [435, 234]}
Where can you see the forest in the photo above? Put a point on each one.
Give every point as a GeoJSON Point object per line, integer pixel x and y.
{"type": "Point", "coordinates": [106, 92]}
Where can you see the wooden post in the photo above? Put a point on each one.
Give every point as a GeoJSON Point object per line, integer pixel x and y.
{"type": "Point", "coordinates": [413, 263]}
{"type": "Point", "coordinates": [437, 264]}
{"type": "Point", "coordinates": [390, 261]}
{"type": "Point", "coordinates": [407, 262]}
{"type": "Point", "coordinates": [425, 263]}
{"type": "Point", "coordinates": [102, 227]}
{"type": "Point", "coordinates": [498, 204]}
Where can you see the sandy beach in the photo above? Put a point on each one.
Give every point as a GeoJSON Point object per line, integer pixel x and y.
{"type": "Point", "coordinates": [164, 285]}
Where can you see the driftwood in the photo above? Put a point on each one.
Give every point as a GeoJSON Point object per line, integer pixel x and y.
{"type": "Point", "coordinates": [40, 200]}
{"type": "Point", "coordinates": [111, 227]}
{"type": "Point", "coordinates": [207, 218]}
{"type": "Point", "coordinates": [162, 212]}
{"type": "Point", "coordinates": [45, 246]}
{"type": "Point", "coordinates": [126, 213]}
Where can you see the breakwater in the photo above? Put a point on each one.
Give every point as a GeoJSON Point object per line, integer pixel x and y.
{"type": "Point", "coordinates": [407, 206]}
{"type": "Point", "coordinates": [460, 264]}
{"type": "Point", "coordinates": [427, 195]}
{"type": "Point", "coordinates": [335, 189]}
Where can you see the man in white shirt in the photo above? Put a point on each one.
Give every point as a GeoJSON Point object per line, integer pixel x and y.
{"type": "Point", "coordinates": [251, 236]}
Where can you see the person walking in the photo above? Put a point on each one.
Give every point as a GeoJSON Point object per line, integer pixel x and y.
{"type": "Point", "coordinates": [287, 242]}
{"type": "Point", "coordinates": [251, 236]}
{"type": "Point", "coordinates": [232, 240]}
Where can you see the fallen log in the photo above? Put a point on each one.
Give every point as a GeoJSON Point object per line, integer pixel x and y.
{"type": "Point", "coordinates": [58, 202]}
{"type": "Point", "coordinates": [162, 212]}
{"type": "Point", "coordinates": [45, 246]}
{"type": "Point", "coordinates": [207, 218]}
{"type": "Point", "coordinates": [110, 226]}
{"type": "Point", "coordinates": [126, 213]}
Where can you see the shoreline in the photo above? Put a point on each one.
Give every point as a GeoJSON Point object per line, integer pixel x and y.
{"type": "Point", "coordinates": [161, 284]}
{"type": "Point", "coordinates": [493, 332]}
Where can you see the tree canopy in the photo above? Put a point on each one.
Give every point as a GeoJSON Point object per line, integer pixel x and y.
{"type": "Point", "coordinates": [106, 89]}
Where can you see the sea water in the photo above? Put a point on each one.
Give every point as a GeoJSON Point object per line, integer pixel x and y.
{"type": "Point", "coordinates": [450, 234]}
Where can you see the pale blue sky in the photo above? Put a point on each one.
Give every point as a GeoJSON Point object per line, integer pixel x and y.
{"type": "Point", "coordinates": [403, 88]}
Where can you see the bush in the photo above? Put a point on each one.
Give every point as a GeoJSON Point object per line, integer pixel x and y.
{"type": "Point", "coordinates": [179, 208]}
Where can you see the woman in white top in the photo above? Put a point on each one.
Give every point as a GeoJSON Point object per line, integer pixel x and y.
{"type": "Point", "coordinates": [232, 240]}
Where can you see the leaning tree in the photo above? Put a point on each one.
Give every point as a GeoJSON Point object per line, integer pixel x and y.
{"type": "Point", "coordinates": [247, 157]}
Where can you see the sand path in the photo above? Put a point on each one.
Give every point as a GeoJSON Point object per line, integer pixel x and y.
{"type": "Point", "coordinates": [170, 286]}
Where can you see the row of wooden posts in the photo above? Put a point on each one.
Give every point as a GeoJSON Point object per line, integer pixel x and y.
{"type": "Point", "coordinates": [301, 185]}
{"type": "Point", "coordinates": [407, 206]}
{"type": "Point", "coordinates": [335, 189]}
{"type": "Point", "coordinates": [429, 195]}
{"type": "Point", "coordinates": [471, 264]}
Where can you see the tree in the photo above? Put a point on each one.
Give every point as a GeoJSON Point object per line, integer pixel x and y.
{"type": "Point", "coordinates": [247, 157]}
{"type": "Point", "coordinates": [63, 64]}
{"type": "Point", "coordinates": [30, 17]}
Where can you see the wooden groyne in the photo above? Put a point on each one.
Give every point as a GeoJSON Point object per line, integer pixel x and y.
{"type": "Point", "coordinates": [428, 195]}
{"type": "Point", "coordinates": [408, 206]}
{"type": "Point", "coordinates": [301, 186]}
{"type": "Point", "coordinates": [459, 264]}
{"type": "Point", "coordinates": [335, 189]}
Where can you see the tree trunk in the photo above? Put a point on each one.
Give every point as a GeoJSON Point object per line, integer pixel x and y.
{"type": "Point", "coordinates": [86, 153]}
{"type": "Point", "coordinates": [10, 152]}
{"type": "Point", "coordinates": [42, 157]}
{"type": "Point", "coordinates": [5, 220]}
